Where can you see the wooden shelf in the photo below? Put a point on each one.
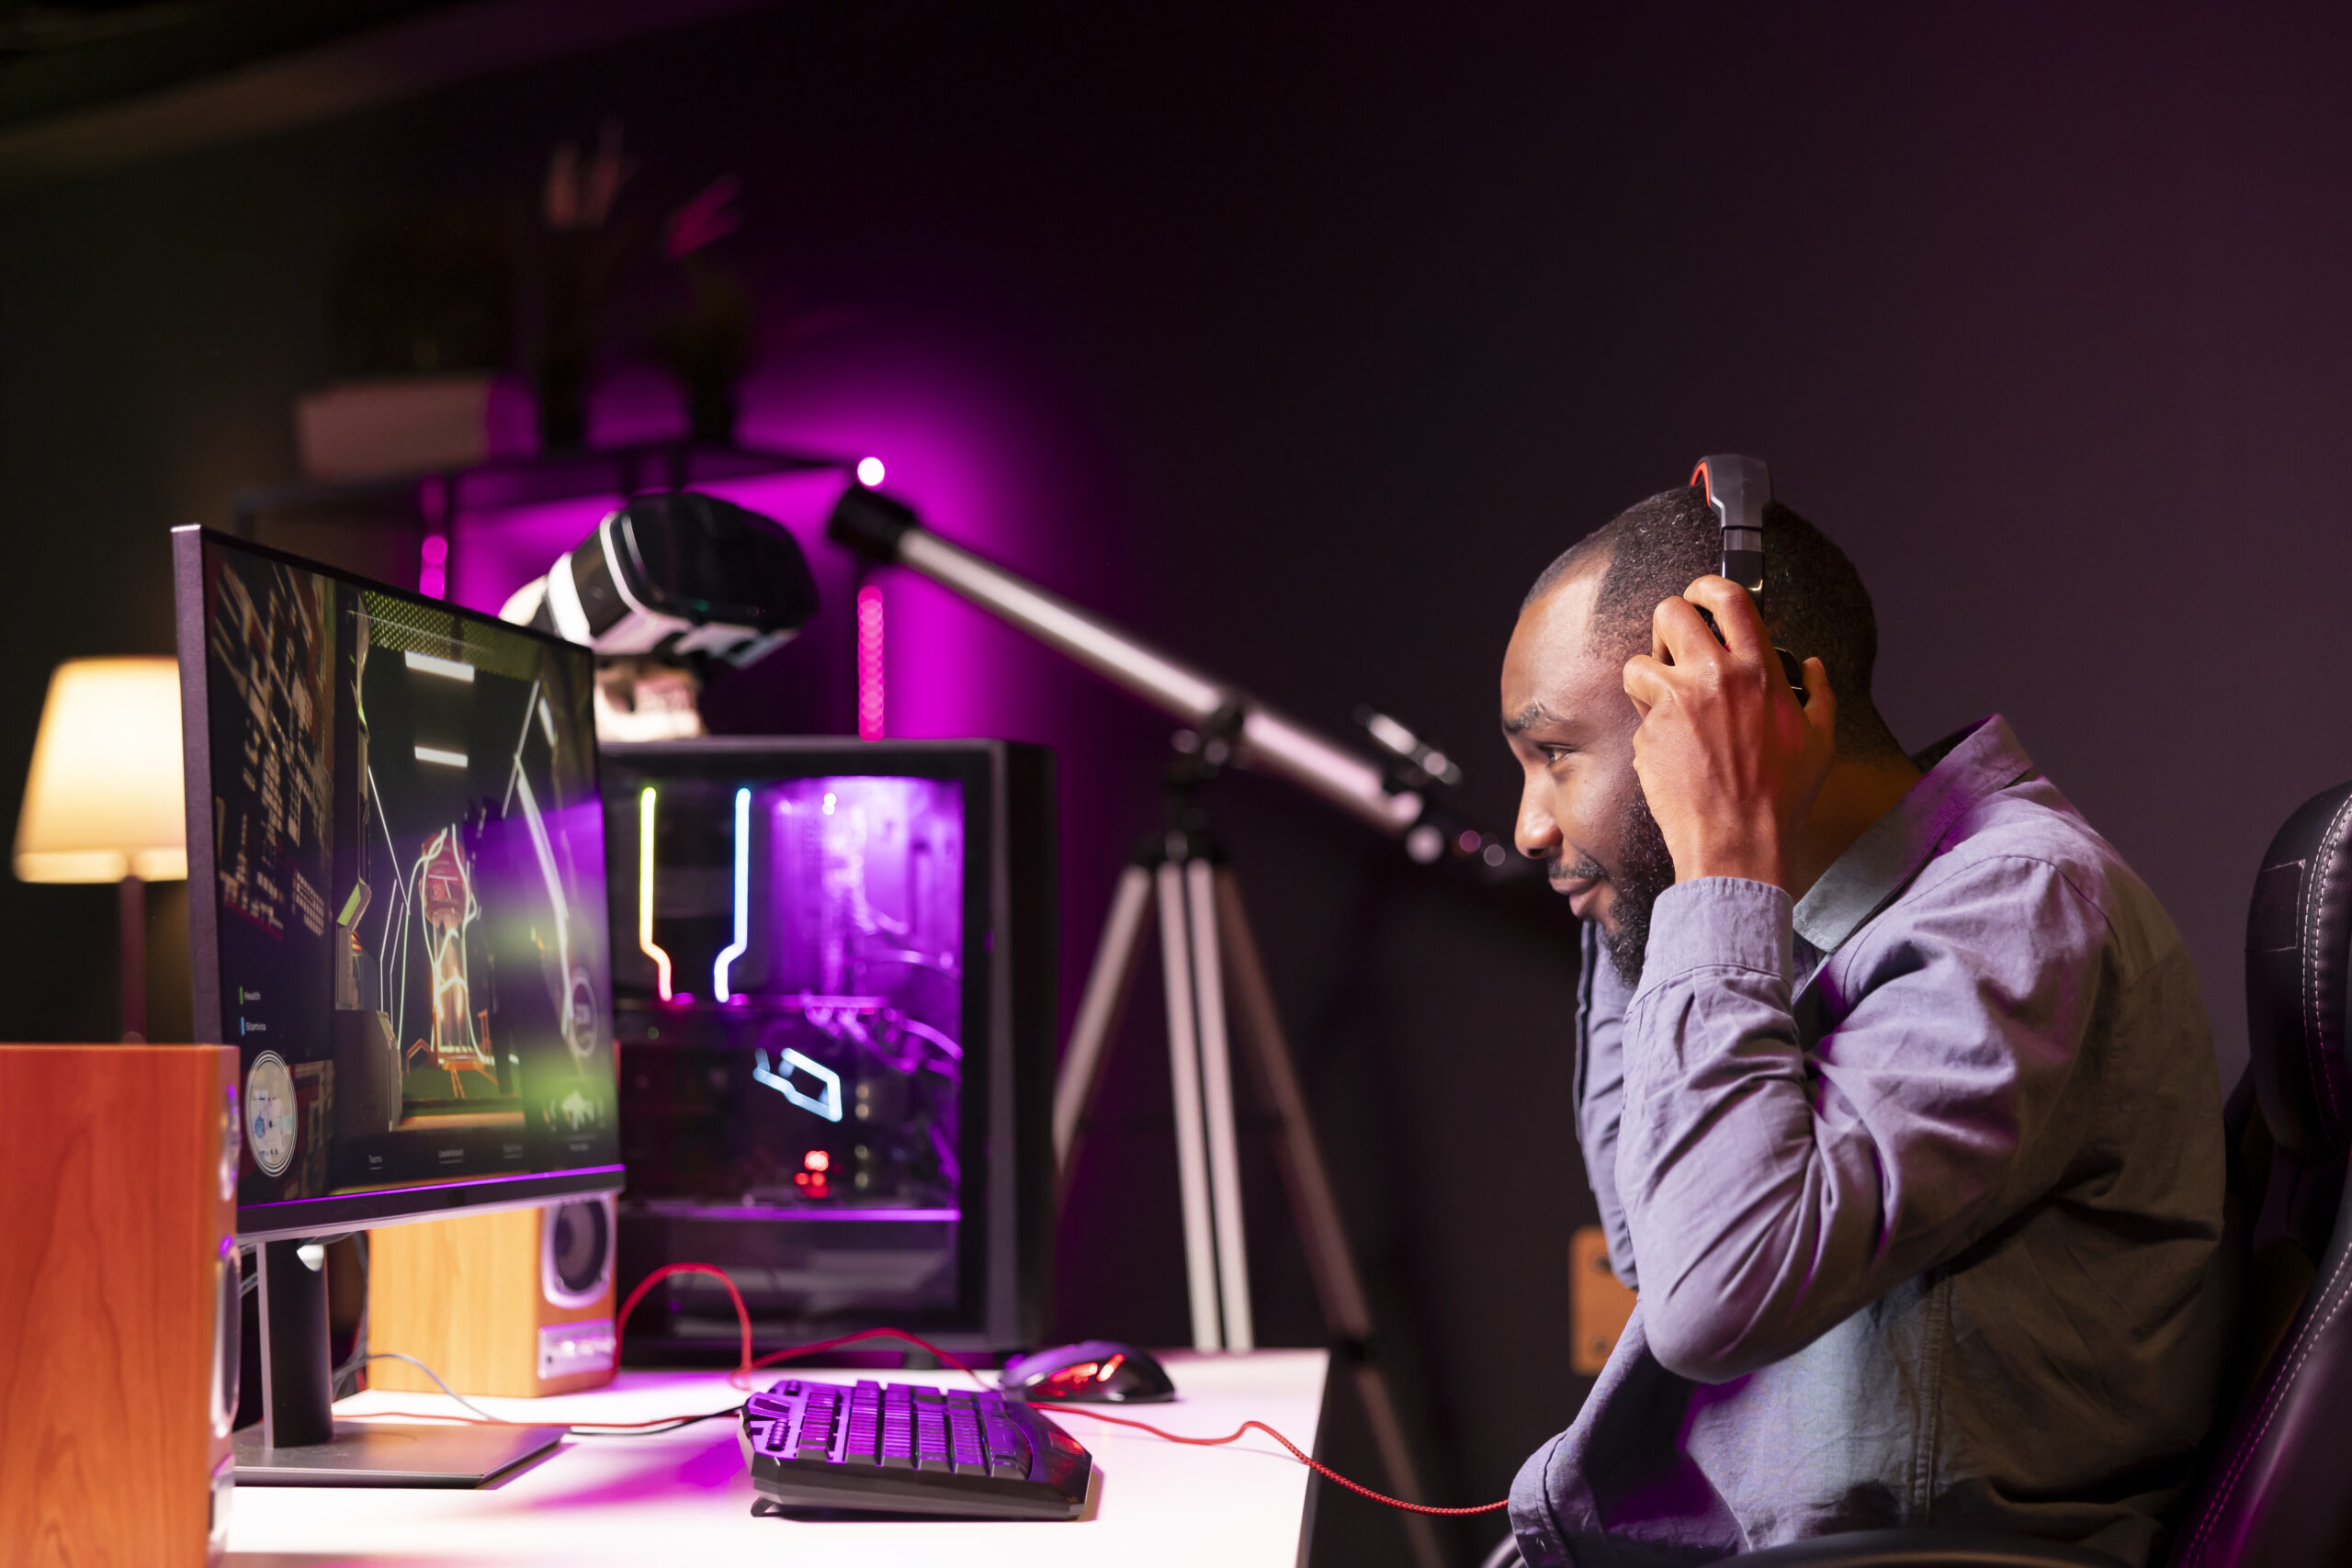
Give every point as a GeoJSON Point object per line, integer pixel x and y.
{"type": "Point", "coordinates": [431, 499]}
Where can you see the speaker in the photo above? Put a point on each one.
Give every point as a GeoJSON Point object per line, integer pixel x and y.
{"type": "Point", "coordinates": [516, 1301]}
{"type": "Point", "coordinates": [119, 1303]}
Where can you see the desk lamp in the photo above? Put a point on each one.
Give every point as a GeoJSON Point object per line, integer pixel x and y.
{"type": "Point", "coordinates": [103, 798]}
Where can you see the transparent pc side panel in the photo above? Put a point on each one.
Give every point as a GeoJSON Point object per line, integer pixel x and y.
{"type": "Point", "coordinates": [792, 1004]}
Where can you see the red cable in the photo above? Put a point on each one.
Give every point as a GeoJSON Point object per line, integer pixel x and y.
{"type": "Point", "coordinates": [620, 1319]}
{"type": "Point", "coordinates": [1317, 1466]}
{"type": "Point", "coordinates": [792, 1350]}
{"type": "Point", "coordinates": [742, 1313]}
{"type": "Point", "coordinates": [746, 1365]}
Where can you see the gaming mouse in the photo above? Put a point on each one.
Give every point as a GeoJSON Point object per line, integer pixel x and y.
{"type": "Point", "coordinates": [1099, 1371]}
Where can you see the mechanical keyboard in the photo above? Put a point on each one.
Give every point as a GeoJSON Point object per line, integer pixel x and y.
{"type": "Point", "coordinates": [899, 1448]}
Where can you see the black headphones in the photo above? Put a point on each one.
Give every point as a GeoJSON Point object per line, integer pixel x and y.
{"type": "Point", "coordinates": [1738, 489]}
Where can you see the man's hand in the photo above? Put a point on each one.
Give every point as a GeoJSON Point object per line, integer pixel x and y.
{"type": "Point", "coordinates": [1729, 761]}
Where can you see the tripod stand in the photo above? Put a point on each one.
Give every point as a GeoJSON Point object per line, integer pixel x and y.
{"type": "Point", "coordinates": [1204, 945]}
{"type": "Point", "coordinates": [1204, 934]}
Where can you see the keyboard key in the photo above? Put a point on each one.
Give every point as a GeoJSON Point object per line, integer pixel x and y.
{"type": "Point", "coordinates": [898, 1438]}
{"type": "Point", "coordinates": [930, 1437]}
{"type": "Point", "coordinates": [964, 1440]}
{"type": "Point", "coordinates": [1007, 1455]}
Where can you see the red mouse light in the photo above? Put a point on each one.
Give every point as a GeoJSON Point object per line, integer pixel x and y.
{"type": "Point", "coordinates": [1066, 1381]}
{"type": "Point", "coordinates": [1096, 1371]}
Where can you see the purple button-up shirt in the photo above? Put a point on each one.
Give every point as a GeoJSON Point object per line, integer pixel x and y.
{"type": "Point", "coordinates": [1920, 1180]}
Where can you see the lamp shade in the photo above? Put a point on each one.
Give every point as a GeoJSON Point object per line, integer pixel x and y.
{"type": "Point", "coordinates": [104, 799]}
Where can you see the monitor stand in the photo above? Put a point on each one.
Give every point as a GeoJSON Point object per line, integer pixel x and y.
{"type": "Point", "coordinates": [298, 1442]}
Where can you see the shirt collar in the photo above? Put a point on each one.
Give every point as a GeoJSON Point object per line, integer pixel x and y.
{"type": "Point", "coordinates": [1961, 770]}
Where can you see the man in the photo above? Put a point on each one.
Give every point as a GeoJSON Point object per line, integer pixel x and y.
{"type": "Point", "coordinates": [1893, 1082]}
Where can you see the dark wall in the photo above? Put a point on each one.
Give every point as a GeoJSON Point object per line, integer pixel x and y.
{"type": "Point", "coordinates": [1299, 341]}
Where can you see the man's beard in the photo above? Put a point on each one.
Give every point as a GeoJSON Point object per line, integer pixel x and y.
{"type": "Point", "coordinates": [1644, 871]}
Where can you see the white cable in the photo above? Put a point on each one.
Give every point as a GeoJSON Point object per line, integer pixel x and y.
{"type": "Point", "coordinates": [445, 1388]}
{"type": "Point", "coordinates": [509, 1421]}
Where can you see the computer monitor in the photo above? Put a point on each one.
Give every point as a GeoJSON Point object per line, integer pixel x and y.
{"type": "Point", "coordinates": [834, 987]}
{"type": "Point", "coordinates": [396, 912]}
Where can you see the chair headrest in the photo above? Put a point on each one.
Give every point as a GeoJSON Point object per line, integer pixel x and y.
{"type": "Point", "coordinates": [2297, 950]}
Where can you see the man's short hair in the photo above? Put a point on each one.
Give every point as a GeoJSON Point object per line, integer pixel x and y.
{"type": "Point", "coordinates": [1814, 601]}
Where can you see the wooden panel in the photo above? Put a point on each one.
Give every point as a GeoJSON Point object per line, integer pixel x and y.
{"type": "Point", "coordinates": [112, 1206]}
{"type": "Point", "coordinates": [462, 1295]}
{"type": "Point", "coordinates": [1598, 1303]}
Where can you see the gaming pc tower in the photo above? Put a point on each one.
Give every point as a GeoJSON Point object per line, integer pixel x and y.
{"type": "Point", "coordinates": [833, 989]}
{"type": "Point", "coordinates": [396, 874]}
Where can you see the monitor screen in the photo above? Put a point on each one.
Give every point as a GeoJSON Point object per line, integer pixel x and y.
{"type": "Point", "coordinates": [396, 893]}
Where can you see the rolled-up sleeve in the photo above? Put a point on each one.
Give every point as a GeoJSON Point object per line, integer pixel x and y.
{"type": "Point", "coordinates": [1599, 1090]}
{"type": "Point", "coordinates": [1770, 1191]}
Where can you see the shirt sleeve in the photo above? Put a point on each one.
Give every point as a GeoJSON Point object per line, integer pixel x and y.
{"type": "Point", "coordinates": [1771, 1190]}
{"type": "Point", "coordinates": [1600, 1088]}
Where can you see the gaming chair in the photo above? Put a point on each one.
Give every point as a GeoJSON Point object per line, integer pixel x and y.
{"type": "Point", "coordinates": [2278, 1487]}
{"type": "Point", "coordinates": [2276, 1493]}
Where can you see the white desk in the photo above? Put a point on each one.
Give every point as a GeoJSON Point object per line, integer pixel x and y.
{"type": "Point", "coordinates": [686, 1498]}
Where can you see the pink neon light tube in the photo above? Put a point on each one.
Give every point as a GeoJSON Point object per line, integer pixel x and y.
{"type": "Point", "coordinates": [869, 663]}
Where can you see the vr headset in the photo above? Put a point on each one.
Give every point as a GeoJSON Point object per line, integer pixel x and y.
{"type": "Point", "coordinates": [671, 574]}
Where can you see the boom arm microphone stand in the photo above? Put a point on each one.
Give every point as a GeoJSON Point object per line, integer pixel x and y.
{"type": "Point", "coordinates": [1205, 946]}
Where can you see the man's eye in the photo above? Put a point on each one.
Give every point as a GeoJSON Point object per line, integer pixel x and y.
{"type": "Point", "coordinates": [1556, 753]}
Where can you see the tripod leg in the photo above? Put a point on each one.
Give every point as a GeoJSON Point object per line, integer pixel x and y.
{"type": "Point", "coordinates": [1397, 1455]}
{"type": "Point", "coordinates": [1316, 1211]}
{"type": "Point", "coordinates": [1217, 1086]}
{"type": "Point", "coordinates": [1098, 1018]}
{"type": "Point", "coordinates": [1337, 1283]}
{"type": "Point", "coordinates": [1184, 1071]}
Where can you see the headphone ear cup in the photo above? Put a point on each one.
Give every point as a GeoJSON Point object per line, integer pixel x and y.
{"type": "Point", "coordinates": [1793, 668]}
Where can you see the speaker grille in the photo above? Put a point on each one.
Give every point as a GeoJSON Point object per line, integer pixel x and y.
{"type": "Point", "coordinates": [228, 1340]}
{"type": "Point", "coordinates": [578, 1256]}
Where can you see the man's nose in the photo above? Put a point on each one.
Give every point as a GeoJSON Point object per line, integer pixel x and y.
{"type": "Point", "coordinates": [1535, 833]}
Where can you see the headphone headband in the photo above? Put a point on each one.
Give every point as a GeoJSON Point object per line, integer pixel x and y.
{"type": "Point", "coordinates": [1737, 487]}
